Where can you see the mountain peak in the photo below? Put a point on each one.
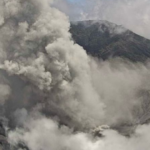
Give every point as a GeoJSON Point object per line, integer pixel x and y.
{"type": "Point", "coordinates": [103, 26]}
{"type": "Point", "coordinates": [104, 39]}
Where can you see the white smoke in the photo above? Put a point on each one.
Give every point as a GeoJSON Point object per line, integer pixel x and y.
{"type": "Point", "coordinates": [42, 54]}
{"type": "Point", "coordinates": [46, 74]}
{"type": "Point", "coordinates": [45, 134]}
{"type": "Point", "coordinates": [119, 84]}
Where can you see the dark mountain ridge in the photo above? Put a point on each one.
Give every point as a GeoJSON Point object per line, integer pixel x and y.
{"type": "Point", "coordinates": [104, 40]}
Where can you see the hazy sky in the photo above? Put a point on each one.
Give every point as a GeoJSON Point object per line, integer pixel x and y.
{"type": "Point", "coordinates": [133, 14]}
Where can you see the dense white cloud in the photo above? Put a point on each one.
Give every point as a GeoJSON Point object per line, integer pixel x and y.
{"type": "Point", "coordinates": [43, 134]}
{"type": "Point", "coordinates": [48, 74]}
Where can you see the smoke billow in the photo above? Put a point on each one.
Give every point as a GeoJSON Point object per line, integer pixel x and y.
{"type": "Point", "coordinates": [38, 51]}
{"type": "Point", "coordinates": [53, 94]}
{"type": "Point", "coordinates": [44, 134]}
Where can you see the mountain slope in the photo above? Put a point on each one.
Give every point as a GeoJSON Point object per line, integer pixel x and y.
{"type": "Point", "coordinates": [104, 39]}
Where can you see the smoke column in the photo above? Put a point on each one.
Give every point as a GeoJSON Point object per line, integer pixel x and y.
{"type": "Point", "coordinates": [52, 94]}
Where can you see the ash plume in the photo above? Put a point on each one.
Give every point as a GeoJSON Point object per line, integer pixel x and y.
{"type": "Point", "coordinates": [53, 94]}
{"type": "Point", "coordinates": [40, 53]}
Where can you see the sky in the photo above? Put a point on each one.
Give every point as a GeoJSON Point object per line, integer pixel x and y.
{"type": "Point", "coordinates": [73, 1]}
{"type": "Point", "coordinates": [133, 14]}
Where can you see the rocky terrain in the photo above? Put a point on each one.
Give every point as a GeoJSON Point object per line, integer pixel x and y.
{"type": "Point", "coordinates": [104, 40]}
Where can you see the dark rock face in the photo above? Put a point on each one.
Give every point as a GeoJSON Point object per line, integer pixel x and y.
{"type": "Point", "coordinates": [103, 39]}
{"type": "Point", "coordinates": [3, 138]}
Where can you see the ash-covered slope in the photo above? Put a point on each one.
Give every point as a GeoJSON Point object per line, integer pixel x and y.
{"type": "Point", "coordinates": [104, 39]}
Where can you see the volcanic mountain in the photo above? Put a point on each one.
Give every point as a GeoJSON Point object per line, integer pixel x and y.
{"type": "Point", "coordinates": [105, 40]}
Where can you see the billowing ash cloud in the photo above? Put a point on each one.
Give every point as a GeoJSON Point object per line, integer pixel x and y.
{"type": "Point", "coordinates": [53, 95]}
{"type": "Point", "coordinates": [38, 50]}
{"type": "Point", "coordinates": [44, 134]}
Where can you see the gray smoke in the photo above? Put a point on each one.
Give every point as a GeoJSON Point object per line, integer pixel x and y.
{"type": "Point", "coordinates": [38, 50]}
{"type": "Point", "coordinates": [45, 134]}
{"type": "Point", "coordinates": [53, 94]}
